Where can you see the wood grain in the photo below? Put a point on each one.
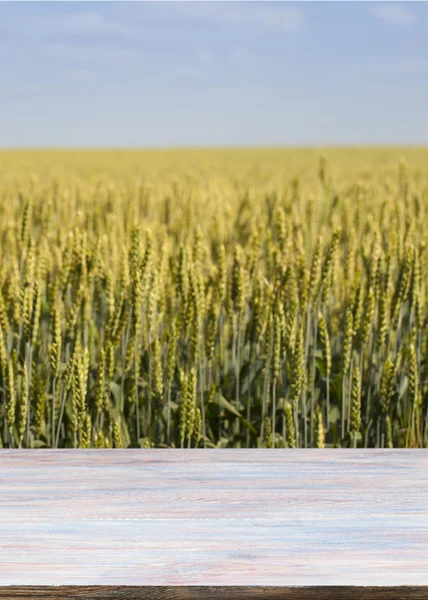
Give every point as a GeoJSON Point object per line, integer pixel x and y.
{"type": "Point", "coordinates": [214, 593]}
{"type": "Point", "coordinates": [185, 524]}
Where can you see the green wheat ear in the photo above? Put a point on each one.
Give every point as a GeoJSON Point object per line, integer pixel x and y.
{"type": "Point", "coordinates": [291, 432]}
{"type": "Point", "coordinates": [356, 402]}
{"type": "Point", "coordinates": [319, 433]}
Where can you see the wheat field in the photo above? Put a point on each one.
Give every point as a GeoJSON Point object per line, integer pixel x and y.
{"type": "Point", "coordinates": [214, 298]}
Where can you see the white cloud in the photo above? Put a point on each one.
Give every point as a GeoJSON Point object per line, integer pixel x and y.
{"type": "Point", "coordinates": [207, 57]}
{"type": "Point", "coordinates": [113, 34]}
{"type": "Point", "coordinates": [394, 14]}
{"type": "Point", "coordinates": [159, 19]}
{"type": "Point", "coordinates": [87, 22]}
{"type": "Point", "coordinates": [285, 18]}
{"type": "Point", "coordinates": [177, 15]}
{"type": "Point", "coordinates": [88, 53]}
{"type": "Point", "coordinates": [277, 16]}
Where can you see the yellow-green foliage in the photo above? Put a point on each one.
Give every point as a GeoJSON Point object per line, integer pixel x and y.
{"type": "Point", "coordinates": [262, 298]}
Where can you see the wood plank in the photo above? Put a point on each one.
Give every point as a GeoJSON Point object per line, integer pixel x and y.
{"type": "Point", "coordinates": [209, 524]}
{"type": "Point", "coordinates": [214, 593]}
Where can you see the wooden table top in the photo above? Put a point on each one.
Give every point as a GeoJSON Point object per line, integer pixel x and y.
{"type": "Point", "coordinates": [227, 523]}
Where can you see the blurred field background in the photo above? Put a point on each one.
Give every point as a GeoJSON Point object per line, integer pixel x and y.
{"type": "Point", "coordinates": [214, 298]}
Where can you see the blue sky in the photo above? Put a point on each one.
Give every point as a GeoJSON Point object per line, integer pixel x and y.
{"type": "Point", "coordinates": [213, 73]}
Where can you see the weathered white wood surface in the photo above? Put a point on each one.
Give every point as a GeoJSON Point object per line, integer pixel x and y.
{"type": "Point", "coordinates": [214, 518]}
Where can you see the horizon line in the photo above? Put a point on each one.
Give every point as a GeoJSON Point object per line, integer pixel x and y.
{"type": "Point", "coordinates": [203, 147]}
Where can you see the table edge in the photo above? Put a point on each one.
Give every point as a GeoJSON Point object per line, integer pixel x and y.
{"type": "Point", "coordinates": [186, 592]}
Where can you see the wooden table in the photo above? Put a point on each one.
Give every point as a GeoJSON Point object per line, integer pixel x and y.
{"type": "Point", "coordinates": [187, 524]}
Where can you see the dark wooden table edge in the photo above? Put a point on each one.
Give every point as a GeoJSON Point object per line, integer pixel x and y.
{"type": "Point", "coordinates": [413, 592]}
